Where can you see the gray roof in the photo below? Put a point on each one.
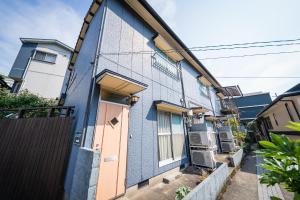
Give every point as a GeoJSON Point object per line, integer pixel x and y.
{"type": "Point", "coordinates": [46, 41]}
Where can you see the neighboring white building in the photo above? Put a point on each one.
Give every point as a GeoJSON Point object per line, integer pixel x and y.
{"type": "Point", "coordinates": [40, 67]}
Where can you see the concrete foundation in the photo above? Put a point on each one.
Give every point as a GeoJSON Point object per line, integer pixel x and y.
{"type": "Point", "coordinates": [86, 175]}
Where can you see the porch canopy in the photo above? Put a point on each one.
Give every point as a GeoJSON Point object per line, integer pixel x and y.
{"type": "Point", "coordinates": [200, 109]}
{"type": "Point", "coordinates": [170, 107]}
{"type": "Point", "coordinates": [119, 84]}
{"type": "Point", "coordinates": [221, 117]}
{"type": "Point", "coordinates": [230, 91]}
{"type": "Point", "coordinates": [210, 118]}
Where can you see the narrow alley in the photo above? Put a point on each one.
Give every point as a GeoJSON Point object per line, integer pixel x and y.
{"type": "Point", "coordinates": [245, 184]}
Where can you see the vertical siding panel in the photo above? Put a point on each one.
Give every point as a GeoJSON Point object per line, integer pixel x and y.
{"type": "Point", "coordinates": [147, 136]}
{"type": "Point", "coordinates": [112, 41]}
{"type": "Point", "coordinates": [126, 41]}
{"type": "Point", "coordinates": [134, 144]}
{"type": "Point", "coordinates": [138, 45]}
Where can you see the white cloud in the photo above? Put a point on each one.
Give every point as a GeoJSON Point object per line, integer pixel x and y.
{"type": "Point", "coordinates": [44, 19]}
{"type": "Point", "coordinates": [166, 9]}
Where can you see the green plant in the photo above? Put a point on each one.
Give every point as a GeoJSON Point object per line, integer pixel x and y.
{"type": "Point", "coordinates": [282, 160]}
{"type": "Point", "coordinates": [238, 135]}
{"type": "Point", "coordinates": [24, 99]}
{"type": "Point", "coordinates": [181, 192]}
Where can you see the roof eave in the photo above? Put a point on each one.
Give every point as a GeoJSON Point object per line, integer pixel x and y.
{"type": "Point", "coordinates": [46, 41]}
{"type": "Point", "coordinates": [287, 94]}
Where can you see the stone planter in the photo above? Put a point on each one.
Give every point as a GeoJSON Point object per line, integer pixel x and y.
{"type": "Point", "coordinates": [210, 188]}
{"type": "Point", "coordinates": [235, 159]}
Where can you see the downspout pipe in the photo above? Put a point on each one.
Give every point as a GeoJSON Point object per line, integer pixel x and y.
{"type": "Point", "coordinates": [185, 105]}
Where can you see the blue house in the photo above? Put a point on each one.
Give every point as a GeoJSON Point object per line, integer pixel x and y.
{"type": "Point", "coordinates": [132, 81]}
{"type": "Point", "coordinates": [251, 104]}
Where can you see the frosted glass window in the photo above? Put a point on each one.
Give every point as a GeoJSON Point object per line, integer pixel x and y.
{"type": "Point", "coordinates": [171, 140]}
{"type": "Point", "coordinates": [178, 136]}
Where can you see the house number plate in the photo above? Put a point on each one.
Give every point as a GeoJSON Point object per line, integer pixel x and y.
{"type": "Point", "coordinates": [110, 158]}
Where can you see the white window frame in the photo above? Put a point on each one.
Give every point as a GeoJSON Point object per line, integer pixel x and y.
{"type": "Point", "coordinates": [203, 88]}
{"type": "Point", "coordinates": [173, 159]}
{"type": "Point", "coordinates": [47, 53]}
{"type": "Point", "coordinates": [171, 68]}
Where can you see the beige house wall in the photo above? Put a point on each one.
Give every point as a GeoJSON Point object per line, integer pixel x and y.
{"type": "Point", "coordinates": [281, 113]}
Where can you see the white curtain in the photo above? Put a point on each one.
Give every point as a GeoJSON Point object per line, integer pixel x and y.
{"type": "Point", "coordinates": [164, 136]}
{"type": "Point", "coordinates": [178, 136]}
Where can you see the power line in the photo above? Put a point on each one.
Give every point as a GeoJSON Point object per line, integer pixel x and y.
{"type": "Point", "coordinates": [257, 77]}
{"type": "Point", "coordinates": [214, 47]}
{"type": "Point", "coordinates": [247, 47]}
{"type": "Point", "coordinates": [250, 55]}
{"type": "Point", "coordinates": [249, 43]}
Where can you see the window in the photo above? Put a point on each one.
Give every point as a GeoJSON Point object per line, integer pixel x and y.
{"type": "Point", "coordinates": [268, 123]}
{"type": "Point", "coordinates": [203, 88]}
{"type": "Point", "coordinates": [275, 119]}
{"type": "Point", "coordinates": [289, 111]}
{"type": "Point", "coordinates": [170, 137]}
{"type": "Point", "coordinates": [46, 57]}
{"type": "Point", "coordinates": [162, 62]}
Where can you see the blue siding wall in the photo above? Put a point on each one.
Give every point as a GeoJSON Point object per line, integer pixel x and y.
{"type": "Point", "coordinates": [253, 100]}
{"type": "Point", "coordinates": [193, 95]}
{"type": "Point", "coordinates": [21, 61]}
{"type": "Point", "coordinates": [123, 31]}
{"type": "Point", "coordinates": [78, 91]}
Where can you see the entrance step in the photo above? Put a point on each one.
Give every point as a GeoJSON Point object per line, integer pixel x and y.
{"type": "Point", "coordinates": [172, 177]}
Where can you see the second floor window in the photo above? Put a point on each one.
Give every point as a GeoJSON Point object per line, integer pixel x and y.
{"type": "Point", "coordinates": [162, 62]}
{"type": "Point", "coordinates": [46, 57]}
{"type": "Point", "coordinates": [203, 88]}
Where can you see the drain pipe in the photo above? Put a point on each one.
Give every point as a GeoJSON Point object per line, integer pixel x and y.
{"type": "Point", "coordinates": [214, 113]}
{"type": "Point", "coordinates": [184, 114]}
{"type": "Point", "coordinates": [93, 81]}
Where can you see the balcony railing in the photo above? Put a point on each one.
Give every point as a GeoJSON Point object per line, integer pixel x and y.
{"type": "Point", "coordinates": [228, 106]}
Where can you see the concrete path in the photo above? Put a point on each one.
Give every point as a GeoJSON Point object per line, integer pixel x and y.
{"type": "Point", "coordinates": [244, 183]}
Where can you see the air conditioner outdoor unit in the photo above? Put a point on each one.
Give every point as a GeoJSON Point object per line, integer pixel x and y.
{"type": "Point", "coordinates": [227, 147]}
{"type": "Point", "coordinates": [226, 136]}
{"type": "Point", "coordinates": [224, 129]}
{"type": "Point", "coordinates": [203, 158]}
{"type": "Point", "coordinates": [202, 138]}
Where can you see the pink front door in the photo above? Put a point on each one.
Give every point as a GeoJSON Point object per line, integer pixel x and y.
{"type": "Point", "coordinates": [111, 139]}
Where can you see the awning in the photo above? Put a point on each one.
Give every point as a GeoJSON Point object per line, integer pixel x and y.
{"type": "Point", "coordinates": [210, 118]}
{"type": "Point", "coordinates": [219, 94]}
{"type": "Point", "coordinates": [222, 118]}
{"type": "Point", "coordinates": [231, 91]}
{"type": "Point", "coordinates": [119, 84]}
{"type": "Point", "coordinates": [197, 110]}
{"type": "Point", "coordinates": [164, 46]}
{"type": "Point", "coordinates": [204, 80]}
{"type": "Point", "coordinates": [170, 107]}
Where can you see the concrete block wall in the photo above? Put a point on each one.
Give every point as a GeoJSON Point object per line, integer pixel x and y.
{"type": "Point", "coordinates": [210, 188]}
{"type": "Point", "coordinates": [236, 158]}
{"type": "Point", "coordinates": [86, 175]}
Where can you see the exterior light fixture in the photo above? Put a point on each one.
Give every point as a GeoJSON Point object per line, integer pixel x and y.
{"type": "Point", "coordinates": [133, 100]}
{"type": "Point", "coordinates": [190, 113]}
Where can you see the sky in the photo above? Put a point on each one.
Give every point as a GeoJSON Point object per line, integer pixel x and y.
{"type": "Point", "coordinates": [196, 22]}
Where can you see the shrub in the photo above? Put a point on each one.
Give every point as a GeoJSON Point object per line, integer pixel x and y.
{"type": "Point", "coordinates": [181, 192]}
{"type": "Point", "coordinates": [24, 99]}
{"type": "Point", "coordinates": [282, 160]}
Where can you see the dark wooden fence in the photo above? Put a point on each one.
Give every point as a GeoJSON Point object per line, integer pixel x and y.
{"type": "Point", "coordinates": [33, 154]}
